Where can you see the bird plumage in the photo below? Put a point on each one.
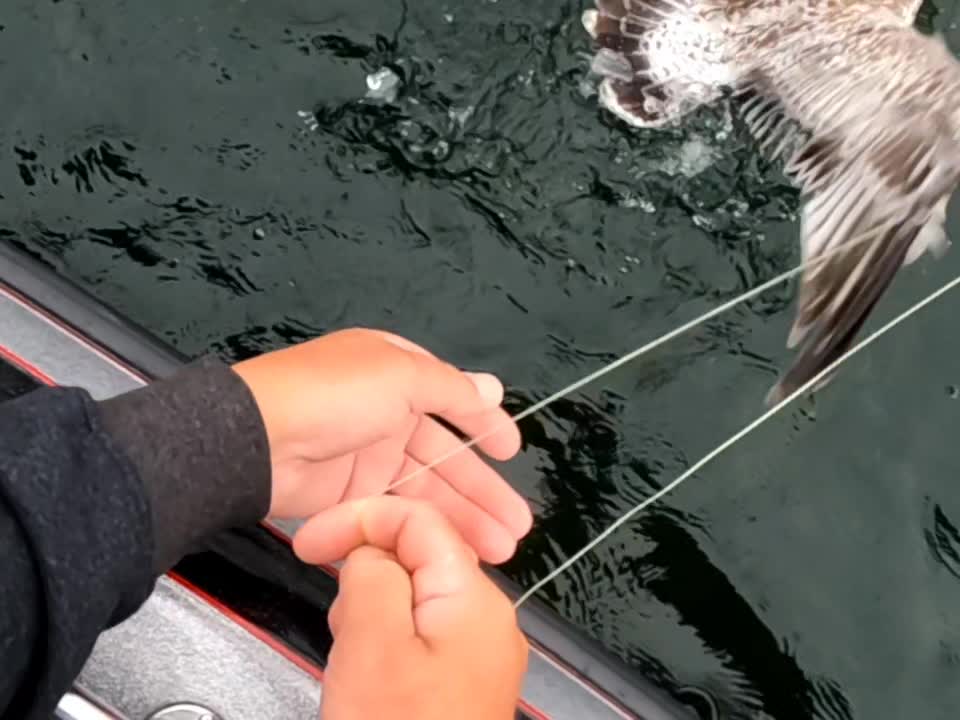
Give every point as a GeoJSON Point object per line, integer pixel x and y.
{"type": "Point", "coordinates": [863, 110]}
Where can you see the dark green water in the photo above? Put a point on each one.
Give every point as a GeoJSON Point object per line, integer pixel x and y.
{"type": "Point", "coordinates": [154, 153]}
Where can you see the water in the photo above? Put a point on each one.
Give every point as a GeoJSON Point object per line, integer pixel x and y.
{"type": "Point", "coordinates": [154, 153]}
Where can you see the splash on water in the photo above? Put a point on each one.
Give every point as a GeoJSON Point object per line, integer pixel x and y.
{"type": "Point", "coordinates": [383, 85]}
{"type": "Point", "coordinates": [695, 156]}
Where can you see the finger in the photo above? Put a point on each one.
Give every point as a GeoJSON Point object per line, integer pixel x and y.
{"type": "Point", "coordinates": [424, 542]}
{"type": "Point", "coordinates": [439, 388]}
{"type": "Point", "coordinates": [469, 476]}
{"type": "Point", "coordinates": [374, 601]}
{"type": "Point", "coordinates": [333, 614]}
{"type": "Point", "coordinates": [490, 539]}
{"type": "Point", "coordinates": [501, 437]}
{"type": "Point", "coordinates": [495, 432]}
{"type": "Point", "coordinates": [487, 384]}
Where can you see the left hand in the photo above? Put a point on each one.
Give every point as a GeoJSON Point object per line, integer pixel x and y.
{"type": "Point", "coordinates": [349, 414]}
{"type": "Point", "coordinates": [415, 611]}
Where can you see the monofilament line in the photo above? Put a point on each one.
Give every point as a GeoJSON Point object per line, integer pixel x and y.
{"type": "Point", "coordinates": [726, 444]}
{"type": "Point", "coordinates": [629, 357]}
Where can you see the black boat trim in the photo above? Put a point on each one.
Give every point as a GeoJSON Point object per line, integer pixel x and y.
{"type": "Point", "coordinates": [116, 337]}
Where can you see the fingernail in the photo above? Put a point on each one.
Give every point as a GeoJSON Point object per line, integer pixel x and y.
{"type": "Point", "coordinates": [489, 387]}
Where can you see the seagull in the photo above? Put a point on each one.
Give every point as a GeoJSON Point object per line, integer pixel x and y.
{"type": "Point", "coordinates": [863, 110]}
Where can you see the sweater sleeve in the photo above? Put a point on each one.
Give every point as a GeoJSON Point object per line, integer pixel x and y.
{"type": "Point", "coordinates": [98, 499]}
{"type": "Point", "coordinates": [199, 445]}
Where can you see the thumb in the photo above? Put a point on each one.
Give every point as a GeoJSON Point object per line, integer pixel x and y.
{"type": "Point", "coordinates": [374, 602]}
{"type": "Point", "coordinates": [443, 389]}
{"type": "Point", "coordinates": [440, 567]}
{"type": "Point", "coordinates": [439, 388]}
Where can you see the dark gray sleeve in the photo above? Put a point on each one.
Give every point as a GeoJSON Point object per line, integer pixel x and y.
{"type": "Point", "coordinates": [96, 500]}
{"type": "Point", "coordinates": [200, 448]}
{"type": "Point", "coordinates": [76, 541]}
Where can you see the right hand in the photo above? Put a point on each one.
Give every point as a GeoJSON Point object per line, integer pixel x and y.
{"type": "Point", "coordinates": [420, 632]}
{"type": "Point", "coordinates": [350, 413]}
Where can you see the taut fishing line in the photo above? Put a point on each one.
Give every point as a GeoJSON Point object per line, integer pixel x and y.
{"type": "Point", "coordinates": [652, 345]}
{"type": "Point", "coordinates": [733, 439]}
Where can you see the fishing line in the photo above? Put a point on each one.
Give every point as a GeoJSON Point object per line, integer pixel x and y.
{"type": "Point", "coordinates": [733, 440]}
{"type": "Point", "coordinates": [652, 345]}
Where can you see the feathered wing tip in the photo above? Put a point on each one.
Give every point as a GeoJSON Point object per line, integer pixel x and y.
{"type": "Point", "coordinates": [876, 162]}
{"type": "Point", "coordinates": [830, 342]}
{"type": "Point", "coordinates": [781, 390]}
{"type": "Point", "coordinates": [903, 245]}
{"type": "Point", "coordinates": [863, 115]}
{"type": "Point", "coordinates": [637, 86]}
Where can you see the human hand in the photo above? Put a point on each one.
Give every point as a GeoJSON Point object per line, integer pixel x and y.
{"type": "Point", "coordinates": [348, 414]}
{"type": "Point", "coordinates": [420, 632]}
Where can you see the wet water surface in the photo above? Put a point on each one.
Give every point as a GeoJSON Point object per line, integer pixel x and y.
{"type": "Point", "coordinates": [161, 155]}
